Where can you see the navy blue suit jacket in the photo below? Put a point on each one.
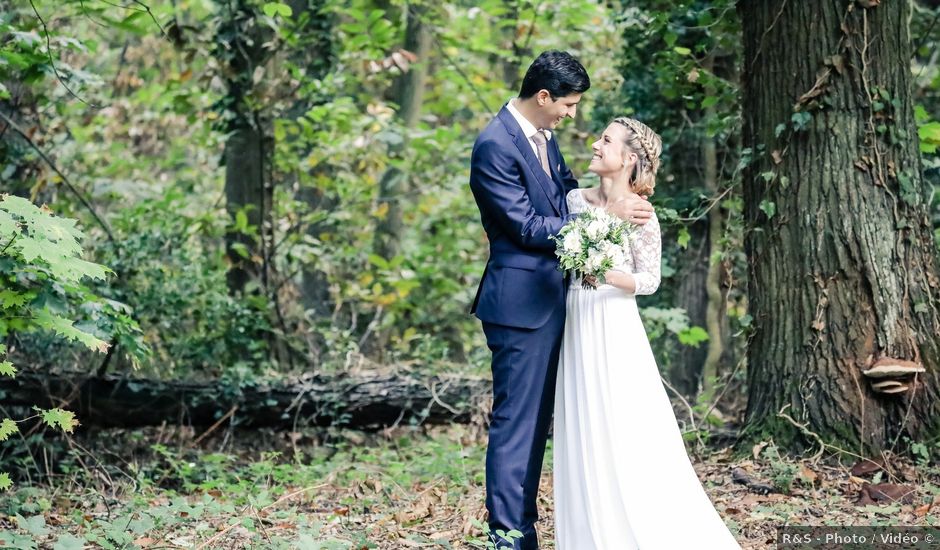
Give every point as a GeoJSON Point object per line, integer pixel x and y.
{"type": "Point", "coordinates": [520, 207]}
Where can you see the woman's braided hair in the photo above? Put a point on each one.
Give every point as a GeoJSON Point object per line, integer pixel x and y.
{"type": "Point", "coordinates": [648, 146]}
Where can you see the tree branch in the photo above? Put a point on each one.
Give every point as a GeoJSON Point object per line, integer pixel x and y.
{"type": "Point", "coordinates": [65, 179]}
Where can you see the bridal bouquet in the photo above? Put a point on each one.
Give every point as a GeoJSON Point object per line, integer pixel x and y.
{"type": "Point", "coordinates": [592, 244]}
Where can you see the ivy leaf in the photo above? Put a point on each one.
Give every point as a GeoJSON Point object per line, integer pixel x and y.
{"type": "Point", "coordinates": [65, 420]}
{"type": "Point", "coordinates": [7, 428]}
{"type": "Point", "coordinates": [272, 9]}
{"type": "Point", "coordinates": [5, 481]}
{"type": "Point", "coordinates": [7, 368]}
{"type": "Point", "coordinates": [768, 207]}
{"type": "Point", "coordinates": [684, 237]}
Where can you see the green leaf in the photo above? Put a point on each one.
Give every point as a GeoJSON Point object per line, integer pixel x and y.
{"type": "Point", "coordinates": [69, 542]}
{"type": "Point", "coordinates": [378, 261]}
{"type": "Point", "coordinates": [801, 120]}
{"type": "Point", "coordinates": [58, 418]}
{"type": "Point", "coordinates": [684, 237]}
{"type": "Point", "coordinates": [929, 132]}
{"type": "Point", "coordinates": [10, 298]}
{"type": "Point", "coordinates": [709, 101]}
{"type": "Point", "coordinates": [7, 369]}
{"type": "Point", "coordinates": [8, 226]}
{"type": "Point", "coordinates": [5, 481]}
{"type": "Point", "coordinates": [62, 326]}
{"type": "Point", "coordinates": [7, 428]}
{"type": "Point", "coordinates": [682, 51]}
{"type": "Point", "coordinates": [272, 9]}
{"type": "Point", "coordinates": [34, 525]}
{"type": "Point", "coordinates": [768, 207]}
{"type": "Point", "coordinates": [693, 336]}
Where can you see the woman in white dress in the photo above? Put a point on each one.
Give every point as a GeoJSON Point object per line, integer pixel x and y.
{"type": "Point", "coordinates": [623, 479]}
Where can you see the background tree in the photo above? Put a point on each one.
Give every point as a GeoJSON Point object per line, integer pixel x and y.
{"type": "Point", "coordinates": [840, 247]}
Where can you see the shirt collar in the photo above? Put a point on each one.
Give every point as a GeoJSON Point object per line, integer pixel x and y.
{"type": "Point", "coordinates": [527, 127]}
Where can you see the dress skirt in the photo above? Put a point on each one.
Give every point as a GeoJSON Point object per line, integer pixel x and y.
{"type": "Point", "coordinates": [623, 479]}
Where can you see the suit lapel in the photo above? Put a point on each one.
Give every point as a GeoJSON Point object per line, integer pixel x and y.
{"type": "Point", "coordinates": [554, 164]}
{"type": "Point", "coordinates": [525, 148]}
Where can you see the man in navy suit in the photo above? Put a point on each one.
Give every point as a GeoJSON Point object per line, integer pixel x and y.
{"type": "Point", "coordinates": [520, 181]}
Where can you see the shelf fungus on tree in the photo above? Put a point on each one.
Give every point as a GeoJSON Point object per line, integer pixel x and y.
{"type": "Point", "coordinates": [889, 386]}
{"type": "Point", "coordinates": [888, 374]}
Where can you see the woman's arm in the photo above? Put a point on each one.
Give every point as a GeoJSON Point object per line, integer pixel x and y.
{"type": "Point", "coordinates": [647, 257]}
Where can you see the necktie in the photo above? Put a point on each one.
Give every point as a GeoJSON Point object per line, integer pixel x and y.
{"type": "Point", "coordinates": [541, 145]}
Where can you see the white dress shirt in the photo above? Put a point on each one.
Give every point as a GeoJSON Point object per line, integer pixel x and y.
{"type": "Point", "coordinates": [527, 127]}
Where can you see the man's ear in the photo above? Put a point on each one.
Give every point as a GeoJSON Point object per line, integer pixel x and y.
{"type": "Point", "coordinates": [543, 96]}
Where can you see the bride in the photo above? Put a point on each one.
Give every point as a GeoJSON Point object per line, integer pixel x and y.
{"type": "Point", "coordinates": [622, 476]}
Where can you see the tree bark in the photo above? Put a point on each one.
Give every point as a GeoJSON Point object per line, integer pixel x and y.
{"type": "Point", "coordinates": [360, 401]}
{"type": "Point", "coordinates": [409, 95]}
{"type": "Point", "coordinates": [248, 148]}
{"type": "Point", "coordinates": [716, 298]}
{"type": "Point", "coordinates": [841, 253]}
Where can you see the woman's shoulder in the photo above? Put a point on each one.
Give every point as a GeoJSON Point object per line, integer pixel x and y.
{"type": "Point", "coordinates": [576, 200]}
{"type": "Point", "coordinates": [581, 194]}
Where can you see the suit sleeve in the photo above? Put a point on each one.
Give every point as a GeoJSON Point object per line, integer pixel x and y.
{"type": "Point", "coordinates": [497, 186]}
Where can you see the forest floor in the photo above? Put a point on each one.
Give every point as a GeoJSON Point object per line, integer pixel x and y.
{"type": "Point", "coordinates": [401, 488]}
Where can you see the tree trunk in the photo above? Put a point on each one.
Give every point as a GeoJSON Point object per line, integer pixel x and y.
{"type": "Point", "coordinates": [841, 253]}
{"type": "Point", "coordinates": [716, 298]}
{"type": "Point", "coordinates": [685, 370]}
{"type": "Point", "coordinates": [360, 401]}
{"type": "Point", "coordinates": [247, 150]}
{"type": "Point", "coordinates": [409, 95]}
{"type": "Point", "coordinates": [316, 54]}
{"type": "Point", "coordinates": [685, 373]}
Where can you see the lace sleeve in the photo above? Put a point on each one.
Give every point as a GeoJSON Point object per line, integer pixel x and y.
{"type": "Point", "coordinates": [575, 201]}
{"type": "Point", "coordinates": [647, 256]}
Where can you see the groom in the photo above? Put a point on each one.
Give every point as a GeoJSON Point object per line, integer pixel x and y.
{"type": "Point", "coordinates": [520, 180]}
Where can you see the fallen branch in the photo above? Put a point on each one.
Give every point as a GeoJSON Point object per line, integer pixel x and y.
{"type": "Point", "coordinates": [365, 401]}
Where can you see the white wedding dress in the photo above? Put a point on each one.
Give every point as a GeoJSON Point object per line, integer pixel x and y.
{"type": "Point", "coordinates": [622, 477]}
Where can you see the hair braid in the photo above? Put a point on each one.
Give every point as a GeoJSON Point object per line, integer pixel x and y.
{"type": "Point", "coordinates": [648, 146]}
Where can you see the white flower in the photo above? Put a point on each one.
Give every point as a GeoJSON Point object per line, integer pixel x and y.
{"type": "Point", "coordinates": [572, 242]}
{"type": "Point", "coordinates": [594, 261]}
{"type": "Point", "coordinates": [596, 229]}
{"type": "Point", "coordinates": [614, 252]}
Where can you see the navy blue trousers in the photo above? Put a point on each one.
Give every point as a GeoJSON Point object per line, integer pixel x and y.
{"type": "Point", "coordinates": [525, 363]}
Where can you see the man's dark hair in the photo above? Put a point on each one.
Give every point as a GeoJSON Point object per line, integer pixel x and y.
{"type": "Point", "coordinates": [558, 72]}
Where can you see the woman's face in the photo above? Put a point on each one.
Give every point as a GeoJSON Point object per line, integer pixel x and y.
{"type": "Point", "coordinates": [611, 156]}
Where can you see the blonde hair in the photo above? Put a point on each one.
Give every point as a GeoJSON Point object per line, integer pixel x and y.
{"type": "Point", "coordinates": [648, 146]}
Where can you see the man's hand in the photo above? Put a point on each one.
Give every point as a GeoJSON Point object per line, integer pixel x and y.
{"type": "Point", "coordinates": [636, 210]}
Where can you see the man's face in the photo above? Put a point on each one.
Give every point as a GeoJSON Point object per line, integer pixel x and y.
{"type": "Point", "coordinates": [554, 111]}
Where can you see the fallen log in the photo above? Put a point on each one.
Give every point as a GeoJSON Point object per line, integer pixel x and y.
{"type": "Point", "coordinates": [361, 400]}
